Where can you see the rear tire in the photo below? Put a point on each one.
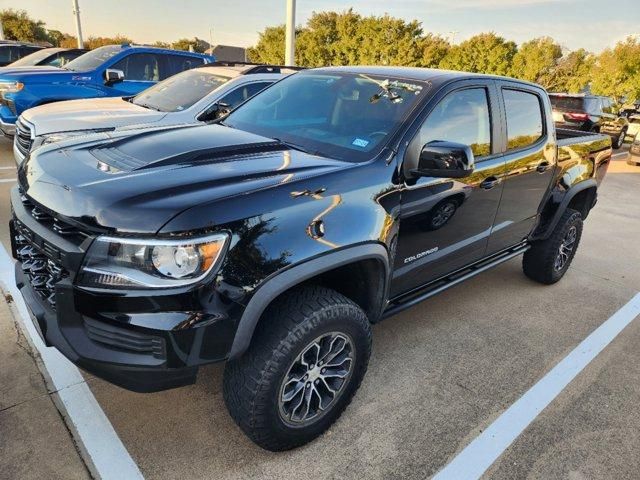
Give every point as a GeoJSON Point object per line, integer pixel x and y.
{"type": "Point", "coordinates": [548, 260]}
{"type": "Point", "coordinates": [311, 342]}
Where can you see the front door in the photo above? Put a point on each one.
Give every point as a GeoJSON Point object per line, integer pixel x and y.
{"type": "Point", "coordinates": [445, 223]}
{"type": "Point", "coordinates": [141, 70]}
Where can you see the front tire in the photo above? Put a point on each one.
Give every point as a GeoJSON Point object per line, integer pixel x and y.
{"type": "Point", "coordinates": [548, 260]}
{"type": "Point", "coordinates": [306, 360]}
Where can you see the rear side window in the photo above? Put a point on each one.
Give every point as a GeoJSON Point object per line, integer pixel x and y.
{"type": "Point", "coordinates": [524, 118]}
{"type": "Point", "coordinates": [180, 63]}
{"type": "Point", "coordinates": [140, 67]}
{"type": "Point", "coordinates": [461, 117]}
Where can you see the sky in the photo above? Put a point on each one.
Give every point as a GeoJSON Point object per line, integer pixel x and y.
{"type": "Point", "coordinates": [591, 24]}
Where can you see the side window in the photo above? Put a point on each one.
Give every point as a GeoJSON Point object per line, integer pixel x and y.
{"type": "Point", "coordinates": [524, 118]}
{"type": "Point", "coordinates": [461, 117]}
{"type": "Point", "coordinates": [140, 67]}
{"type": "Point", "coordinates": [240, 94]}
{"type": "Point", "coordinates": [180, 63]}
{"type": "Point", "coordinates": [24, 51]}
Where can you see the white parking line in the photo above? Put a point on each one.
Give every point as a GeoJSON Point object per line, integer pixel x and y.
{"type": "Point", "coordinates": [7, 180]}
{"type": "Point", "coordinates": [101, 448]}
{"type": "Point", "coordinates": [7, 168]}
{"type": "Point", "coordinates": [480, 454]}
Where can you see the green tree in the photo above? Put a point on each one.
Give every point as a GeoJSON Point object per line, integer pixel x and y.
{"type": "Point", "coordinates": [96, 42]}
{"type": "Point", "coordinates": [270, 46]}
{"type": "Point", "coordinates": [617, 72]}
{"type": "Point", "coordinates": [433, 49]}
{"type": "Point", "coordinates": [186, 44]}
{"type": "Point", "coordinates": [572, 73]}
{"type": "Point", "coordinates": [483, 53]}
{"type": "Point", "coordinates": [17, 25]}
{"type": "Point", "coordinates": [536, 59]}
{"type": "Point", "coordinates": [161, 44]}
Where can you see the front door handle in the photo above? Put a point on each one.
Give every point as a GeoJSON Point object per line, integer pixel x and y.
{"type": "Point", "coordinates": [489, 182]}
{"type": "Point", "coordinates": [543, 167]}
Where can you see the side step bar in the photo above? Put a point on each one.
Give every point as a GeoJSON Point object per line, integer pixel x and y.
{"type": "Point", "coordinates": [451, 280]}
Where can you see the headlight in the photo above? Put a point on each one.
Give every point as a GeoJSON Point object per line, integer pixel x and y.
{"type": "Point", "coordinates": [137, 263]}
{"type": "Point", "coordinates": [11, 87]}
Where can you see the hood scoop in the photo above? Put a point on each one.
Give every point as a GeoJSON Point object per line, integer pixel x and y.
{"type": "Point", "coordinates": [117, 160]}
{"type": "Point", "coordinates": [190, 145]}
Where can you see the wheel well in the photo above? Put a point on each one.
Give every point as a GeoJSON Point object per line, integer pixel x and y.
{"type": "Point", "coordinates": [363, 282]}
{"type": "Point", "coordinates": [583, 201]}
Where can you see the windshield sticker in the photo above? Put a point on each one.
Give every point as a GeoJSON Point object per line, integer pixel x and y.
{"type": "Point", "coordinates": [360, 142]}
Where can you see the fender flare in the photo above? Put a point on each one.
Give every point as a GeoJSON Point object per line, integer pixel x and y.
{"type": "Point", "coordinates": [572, 192]}
{"type": "Point", "coordinates": [295, 275]}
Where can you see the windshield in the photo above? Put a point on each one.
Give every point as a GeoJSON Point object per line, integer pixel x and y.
{"type": "Point", "coordinates": [34, 58]}
{"type": "Point", "coordinates": [567, 103]}
{"type": "Point", "coordinates": [179, 92]}
{"type": "Point", "coordinates": [340, 115]}
{"type": "Point", "coordinates": [93, 59]}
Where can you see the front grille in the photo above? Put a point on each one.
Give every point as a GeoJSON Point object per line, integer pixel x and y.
{"type": "Point", "coordinates": [23, 138]}
{"type": "Point", "coordinates": [125, 339]}
{"type": "Point", "coordinates": [42, 271]}
{"type": "Point", "coordinates": [61, 227]}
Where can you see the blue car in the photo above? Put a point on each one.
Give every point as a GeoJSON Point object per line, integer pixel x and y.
{"type": "Point", "coordinates": [111, 71]}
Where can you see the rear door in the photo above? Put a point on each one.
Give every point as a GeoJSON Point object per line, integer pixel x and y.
{"type": "Point", "coordinates": [530, 154]}
{"type": "Point", "coordinates": [445, 223]}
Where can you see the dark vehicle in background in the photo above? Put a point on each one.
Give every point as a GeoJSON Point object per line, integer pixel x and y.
{"type": "Point", "coordinates": [53, 57]}
{"type": "Point", "coordinates": [12, 51]}
{"type": "Point", "coordinates": [589, 113]}
{"type": "Point", "coordinates": [273, 239]}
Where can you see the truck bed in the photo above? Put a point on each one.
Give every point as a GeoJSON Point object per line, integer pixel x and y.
{"type": "Point", "coordinates": [567, 137]}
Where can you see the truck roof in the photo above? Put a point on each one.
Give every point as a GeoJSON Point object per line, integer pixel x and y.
{"type": "Point", "coordinates": [417, 73]}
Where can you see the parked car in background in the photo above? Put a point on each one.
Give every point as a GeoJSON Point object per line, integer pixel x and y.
{"type": "Point", "coordinates": [110, 71]}
{"type": "Point", "coordinates": [51, 57]}
{"type": "Point", "coordinates": [273, 239]}
{"type": "Point", "coordinates": [634, 151]}
{"type": "Point", "coordinates": [198, 95]}
{"type": "Point", "coordinates": [634, 125]}
{"type": "Point", "coordinates": [589, 113]}
{"type": "Point", "coordinates": [11, 51]}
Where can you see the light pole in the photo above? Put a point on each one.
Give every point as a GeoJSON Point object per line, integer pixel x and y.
{"type": "Point", "coordinates": [1, 30]}
{"type": "Point", "coordinates": [290, 36]}
{"type": "Point", "coordinates": [76, 13]}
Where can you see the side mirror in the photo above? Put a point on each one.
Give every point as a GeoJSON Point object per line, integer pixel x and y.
{"type": "Point", "coordinates": [112, 76]}
{"type": "Point", "coordinates": [444, 159]}
{"type": "Point", "coordinates": [215, 112]}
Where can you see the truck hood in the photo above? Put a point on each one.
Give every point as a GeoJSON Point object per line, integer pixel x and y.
{"type": "Point", "coordinates": [29, 69]}
{"type": "Point", "coordinates": [42, 74]}
{"type": "Point", "coordinates": [135, 183]}
{"type": "Point", "coordinates": [90, 114]}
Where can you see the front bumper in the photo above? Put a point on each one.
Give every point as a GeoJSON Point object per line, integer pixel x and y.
{"type": "Point", "coordinates": [8, 129]}
{"type": "Point", "coordinates": [140, 340]}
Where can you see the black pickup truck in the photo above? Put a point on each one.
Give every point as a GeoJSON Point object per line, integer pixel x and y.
{"type": "Point", "coordinates": [273, 239]}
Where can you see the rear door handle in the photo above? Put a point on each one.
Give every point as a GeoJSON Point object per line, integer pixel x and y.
{"type": "Point", "coordinates": [543, 167]}
{"type": "Point", "coordinates": [489, 182]}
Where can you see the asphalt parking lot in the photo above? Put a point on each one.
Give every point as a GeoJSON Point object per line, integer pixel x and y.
{"type": "Point", "coordinates": [440, 373]}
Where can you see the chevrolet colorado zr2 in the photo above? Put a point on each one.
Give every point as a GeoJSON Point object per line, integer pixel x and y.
{"type": "Point", "coordinates": [273, 238]}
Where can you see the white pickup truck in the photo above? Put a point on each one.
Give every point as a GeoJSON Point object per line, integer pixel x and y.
{"type": "Point", "coordinates": [198, 95]}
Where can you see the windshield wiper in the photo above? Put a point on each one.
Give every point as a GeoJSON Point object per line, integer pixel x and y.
{"type": "Point", "coordinates": [146, 105]}
{"type": "Point", "coordinates": [297, 147]}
